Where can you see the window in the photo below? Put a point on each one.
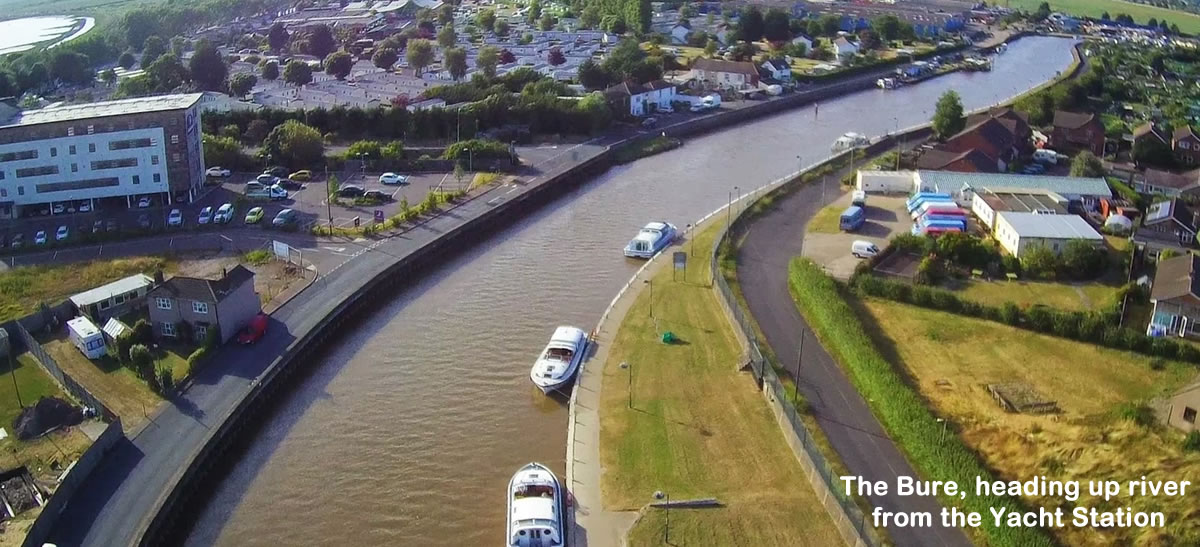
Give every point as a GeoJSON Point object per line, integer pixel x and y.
{"type": "Point", "coordinates": [53, 152]}
{"type": "Point", "coordinates": [91, 130]}
{"type": "Point", "coordinates": [1, 175]}
{"type": "Point", "coordinates": [157, 177]}
{"type": "Point", "coordinates": [175, 157]}
{"type": "Point", "coordinates": [91, 147]}
{"type": "Point", "coordinates": [37, 171]}
{"type": "Point", "coordinates": [201, 331]}
{"type": "Point", "coordinates": [114, 164]}
{"type": "Point", "coordinates": [77, 185]}
{"type": "Point", "coordinates": [71, 149]}
{"type": "Point", "coordinates": [1189, 415]}
{"type": "Point", "coordinates": [163, 303]}
{"type": "Point", "coordinates": [119, 299]}
{"type": "Point", "coordinates": [137, 179]}
{"type": "Point", "coordinates": [3, 192]}
{"type": "Point", "coordinates": [20, 155]}
{"type": "Point", "coordinates": [168, 329]}
{"type": "Point", "coordinates": [95, 343]}
{"type": "Point", "coordinates": [199, 307]}
{"type": "Point", "coordinates": [71, 133]}
{"type": "Point", "coordinates": [104, 305]}
{"type": "Point", "coordinates": [1185, 145]}
{"type": "Point", "coordinates": [174, 139]}
{"type": "Point", "coordinates": [154, 159]}
{"type": "Point", "coordinates": [129, 143]}
{"type": "Point", "coordinates": [74, 167]}
{"type": "Point", "coordinates": [20, 190]}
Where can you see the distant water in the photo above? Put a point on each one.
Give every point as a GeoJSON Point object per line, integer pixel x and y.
{"type": "Point", "coordinates": [411, 423]}
{"type": "Point", "coordinates": [18, 35]}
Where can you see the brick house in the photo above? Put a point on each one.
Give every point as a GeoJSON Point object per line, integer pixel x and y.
{"type": "Point", "coordinates": [1147, 131]}
{"type": "Point", "coordinates": [1186, 145]}
{"type": "Point", "coordinates": [1078, 130]}
{"type": "Point", "coordinates": [971, 161]}
{"type": "Point", "coordinates": [716, 73]}
{"type": "Point", "coordinates": [1158, 181]}
{"type": "Point", "coordinates": [1176, 298]}
{"type": "Point", "coordinates": [226, 304]}
{"type": "Point", "coordinates": [990, 141]}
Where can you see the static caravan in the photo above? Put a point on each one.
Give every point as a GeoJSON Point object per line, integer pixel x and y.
{"type": "Point", "coordinates": [915, 201]}
{"type": "Point", "coordinates": [87, 337]}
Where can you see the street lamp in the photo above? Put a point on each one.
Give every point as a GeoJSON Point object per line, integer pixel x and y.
{"type": "Point", "coordinates": [658, 495]}
{"type": "Point", "coordinates": [943, 434]}
{"type": "Point", "coordinates": [625, 365]}
{"type": "Point", "coordinates": [650, 283]}
{"type": "Point", "coordinates": [362, 159]}
{"type": "Point", "coordinates": [796, 378]}
{"type": "Point", "coordinates": [691, 245]}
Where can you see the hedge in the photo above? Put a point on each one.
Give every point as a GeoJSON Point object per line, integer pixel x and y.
{"type": "Point", "coordinates": [899, 408]}
{"type": "Point", "coordinates": [1100, 327]}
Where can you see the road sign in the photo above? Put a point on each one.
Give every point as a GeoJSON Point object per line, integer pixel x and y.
{"type": "Point", "coordinates": [378, 215]}
{"type": "Point", "coordinates": [281, 249]}
{"type": "Point", "coordinates": [680, 260]}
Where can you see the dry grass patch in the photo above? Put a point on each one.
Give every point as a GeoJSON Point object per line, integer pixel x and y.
{"type": "Point", "coordinates": [950, 357]}
{"type": "Point", "coordinates": [28, 286]}
{"type": "Point", "coordinates": [1063, 296]}
{"type": "Point", "coordinates": [118, 387]}
{"type": "Point", "coordinates": [698, 428]}
{"type": "Point", "coordinates": [828, 220]}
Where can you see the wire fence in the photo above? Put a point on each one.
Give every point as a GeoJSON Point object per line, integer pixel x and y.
{"type": "Point", "coordinates": [69, 383]}
{"type": "Point", "coordinates": [851, 522]}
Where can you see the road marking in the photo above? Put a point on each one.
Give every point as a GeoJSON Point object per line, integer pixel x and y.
{"type": "Point", "coordinates": [335, 249]}
{"type": "Point", "coordinates": [511, 190]}
{"type": "Point", "coordinates": [495, 200]}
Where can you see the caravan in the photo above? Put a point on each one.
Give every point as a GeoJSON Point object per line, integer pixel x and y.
{"type": "Point", "coordinates": [85, 336]}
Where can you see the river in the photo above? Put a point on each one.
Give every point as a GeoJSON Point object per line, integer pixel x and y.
{"type": "Point", "coordinates": [408, 428]}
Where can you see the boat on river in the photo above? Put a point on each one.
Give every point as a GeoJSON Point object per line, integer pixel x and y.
{"type": "Point", "coordinates": [651, 239]}
{"type": "Point", "coordinates": [850, 140]}
{"type": "Point", "coordinates": [561, 359]}
{"type": "Point", "coordinates": [535, 508]}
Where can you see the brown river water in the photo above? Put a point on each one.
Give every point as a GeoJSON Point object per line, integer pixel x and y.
{"type": "Point", "coordinates": [407, 429]}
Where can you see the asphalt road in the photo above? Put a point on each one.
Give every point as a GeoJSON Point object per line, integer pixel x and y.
{"type": "Point", "coordinates": [857, 437]}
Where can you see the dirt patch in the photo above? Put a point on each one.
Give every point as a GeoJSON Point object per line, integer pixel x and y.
{"type": "Point", "coordinates": [271, 278]}
{"type": "Point", "coordinates": [48, 414]}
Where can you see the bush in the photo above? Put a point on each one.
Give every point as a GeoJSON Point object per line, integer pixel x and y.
{"type": "Point", "coordinates": [1191, 443]}
{"type": "Point", "coordinates": [164, 380]}
{"type": "Point", "coordinates": [143, 332]}
{"type": "Point", "coordinates": [1158, 364]}
{"type": "Point", "coordinates": [124, 342]}
{"type": "Point", "coordinates": [1040, 262]}
{"type": "Point", "coordinates": [1082, 260]}
{"type": "Point", "coordinates": [1137, 413]}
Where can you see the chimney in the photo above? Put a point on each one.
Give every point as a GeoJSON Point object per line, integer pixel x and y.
{"type": "Point", "coordinates": [224, 274]}
{"type": "Point", "coordinates": [158, 277]}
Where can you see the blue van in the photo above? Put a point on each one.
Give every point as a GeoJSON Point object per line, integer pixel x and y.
{"type": "Point", "coordinates": [852, 218]}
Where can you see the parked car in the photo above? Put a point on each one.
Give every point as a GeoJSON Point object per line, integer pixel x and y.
{"type": "Point", "coordinates": [110, 226]}
{"type": "Point", "coordinates": [377, 195]}
{"type": "Point", "coordinates": [143, 203]}
{"type": "Point", "coordinates": [1034, 169]}
{"type": "Point", "coordinates": [98, 227]}
{"type": "Point", "coordinates": [392, 178]}
{"type": "Point", "coordinates": [303, 175]}
{"type": "Point", "coordinates": [224, 214]}
{"type": "Point", "coordinates": [62, 233]}
{"type": "Point", "coordinates": [267, 179]}
{"type": "Point", "coordinates": [144, 221]}
{"type": "Point", "coordinates": [863, 249]}
{"type": "Point", "coordinates": [85, 207]}
{"type": "Point", "coordinates": [17, 241]}
{"type": "Point", "coordinates": [205, 215]}
{"type": "Point", "coordinates": [175, 218]}
{"type": "Point", "coordinates": [39, 238]}
{"type": "Point", "coordinates": [276, 170]}
{"type": "Point", "coordinates": [289, 184]}
{"type": "Point", "coordinates": [284, 218]}
{"type": "Point", "coordinates": [254, 330]}
{"type": "Point", "coordinates": [254, 215]}
{"type": "Point", "coordinates": [350, 191]}
{"type": "Point", "coordinates": [58, 209]}
{"type": "Point", "coordinates": [649, 122]}
{"type": "Point", "coordinates": [218, 172]}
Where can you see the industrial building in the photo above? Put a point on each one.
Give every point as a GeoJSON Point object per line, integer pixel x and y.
{"type": "Point", "coordinates": [100, 155]}
{"type": "Point", "coordinates": [1019, 232]}
{"type": "Point", "coordinates": [988, 202]}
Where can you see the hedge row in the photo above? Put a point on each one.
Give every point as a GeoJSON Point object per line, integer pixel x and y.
{"type": "Point", "coordinates": [1100, 328]}
{"type": "Point", "coordinates": [899, 408]}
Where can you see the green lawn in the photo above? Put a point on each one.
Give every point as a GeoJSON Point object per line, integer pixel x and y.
{"type": "Point", "coordinates": [26, 287]}
{"type": "Point", "coordinates": [118, 387]}
{"type": "Point", "coordinates": [1064, 296]}
{"type": "Point", "coordinates": [698, 428]}
{"type": "Point", "coordinates": [32, 383]}
{"type": "Point", "coordinates": [1188, 22]}
{"type": "Point", "coordinates": [827, 220]}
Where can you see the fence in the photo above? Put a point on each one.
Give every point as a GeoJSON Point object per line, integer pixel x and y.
{"type": "Point", "coordinates": [68, 383]}
{"type": "Point", "coordinates": [849, 519]}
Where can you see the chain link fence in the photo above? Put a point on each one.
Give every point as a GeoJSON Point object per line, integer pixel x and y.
{"type": "Point", "coordinates": [75, 388]}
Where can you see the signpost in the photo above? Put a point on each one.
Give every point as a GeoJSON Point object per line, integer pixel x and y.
{"type": "Point", "coordinates": [378, 215]}
{"type": "Point", "coordinates": [280, 249]}
{"type": "Point", "coordinates": [680, 259]}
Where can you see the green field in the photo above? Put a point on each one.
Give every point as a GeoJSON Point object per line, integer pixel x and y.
{"type": "Point", "coordinates": [1188, 22]}
{"type": "Point", "coordinates": [1063, 296]}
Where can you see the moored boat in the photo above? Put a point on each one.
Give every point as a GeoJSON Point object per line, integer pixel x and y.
{"type": "Point", "coordinates": [561, 359]}
{"type": "Point", "coordinates": [850, 140]}
{"type": "Point", "coordinates": [652, 238]}
{"type": "Point", "coordinates": [535, 508]}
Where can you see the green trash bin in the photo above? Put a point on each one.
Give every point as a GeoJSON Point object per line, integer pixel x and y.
{"type": "Point", "coordinates": [668, 337]}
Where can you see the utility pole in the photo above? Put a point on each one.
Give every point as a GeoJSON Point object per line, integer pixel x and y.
{"type": "Point", "coordinates": [329, 199]}
{"type": "Point", "coordinates": [12, 369]}
{"type": "Point", "coordinates": [796, 378]}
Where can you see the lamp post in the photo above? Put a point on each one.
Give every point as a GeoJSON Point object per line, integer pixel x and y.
{"type": "Point", "coordinates": [629, 384]}
{"type": "Point", "coordinates": [691, 245]}
{"type": "Point", "coordinates": [470, 160]}
{"type": "Point", "coordinates": [362, 159]}
{"type": "Point", "coordinates": [658, 495]}
{"type": "Point", "coordinates": [799, 165]}
{"type": "Point", "coordinates": [650, 283]}
{"type": "Point", "coordinates": [329, 199]}
{"type": "Point", "coordinates": [942, 436]}
{"type": "Point", "coordinates": [796, 378]}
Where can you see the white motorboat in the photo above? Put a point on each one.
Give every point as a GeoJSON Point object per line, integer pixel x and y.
{"type": "Point", "coordinates": [559, 362]}
{"type": "Point", "coordinates": [650, 240]}
{"type": "Point", "coordinates": [535, 508]}
{"type": "Point", "coordinates": [850, 140]}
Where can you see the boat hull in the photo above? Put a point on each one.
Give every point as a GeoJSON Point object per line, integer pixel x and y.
{"type": "Point", "coordinates": [662, 243]}
{"type": "Point", "coordinates": [559, 505]}
{"type": "Point", "coordinates": [547, 385]}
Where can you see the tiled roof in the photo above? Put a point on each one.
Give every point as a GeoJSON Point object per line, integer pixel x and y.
{"type": "Point", "coordinates": [718, 65]}
{"type": "Point", "coordinates": [1147, 129]}
{"type": "Point", "coordinates": [206, 290]}
{"type": "Point", "coordinates": [1072, 120]}
{"type": "Point", "coordinates": [1184, 132]}
{"type": "Point", "coordinates": [939, 159]}
{"type": "Point", "coordinates": [1175, 278]}
{"type": "Point", "coordinates": [1167, 179]}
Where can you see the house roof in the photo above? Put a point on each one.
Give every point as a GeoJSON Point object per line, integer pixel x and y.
{"type": "Point", "coordinates": [1167, 179]}
{"type": "Point", "coordinates": [1184, 132]}
{"type": "Point", "coordinates": [1050, 226]}
{"type": "Point", "coordinates": [945, 181]}
{"type": "Point", "coordinates": [103, 292]}
{"type": "Point", "coordinates": [657, 84]}
{"type": "Point", "coordinates": [1016, 122]}
{"type": "Point", "coordinates": [939, 159]}
{"type": "Point", "coordinates": [1072, 120]}
{"type": "Point", "coordinates": [206, 290]}
{"type": "Point", "coordinates": [995, 134]}
{"type": "Point", "coordinates": [1147, 129]}
{"type": "Point", "coordinates": [1176, 278]}
{"type": "Point", "coordinates": [842, 41]}
{"type": "Point", "coordinates": [625, 89]}
{"type": "Point", "coordinates": [778, 64]}
{"type": "Point", "coordinates": [719, 65]}
{"type": "Point", "coordinates": [1164, 211]}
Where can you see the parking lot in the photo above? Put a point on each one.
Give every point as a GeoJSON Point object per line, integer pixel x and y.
{"type": "Point", "coordinates": [886, 217]}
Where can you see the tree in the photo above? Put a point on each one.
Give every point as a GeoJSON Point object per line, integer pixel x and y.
{"type": "Point", "coordinates": [777, 26]}
{"type": "Point", "coordinates": [507, 57]}
{"type": "Point", "coordinates": [126, 60]}
{"type": "Point", "coordinates": [1039, 262]}
{"type": "Point", "coordinates": [139, 25]}
{"type": "Point", "coordinates": [1153, 152]}
{"type": "Point", "coordinates": [486, 60]}
{"type": "Point", "coordinates": [179, 46]}
{"type": "Point", "coordinates": [297, 73]}
{"type": "Point", "coordinates": [257, 130]}
{"type": "Point", "coordinates": [365, 149]}
{"type": "Point", "coordinates": [814, 28]}
{"type": "Point", "coordinates": [830, 25]}
{"type": "Point", "coordinates": [556, 57]}
{"type": "Point", "coordinates": [1083, 260]}
{"type": "Point", "coordinates": [888, 27]}
{"type": "Point", "coordinates": [455, 59]}
{"type": "Point", "coordinates": [385, 58]}
{"type": "Point", "coordinates": [637, 15]}
{"type": "Point", "coordinates": [277, 37]}
{"type": "Point", "coordinates": [223, 151]}
{"type": "Point", "coordinates": [535, 12]}
{"type": "Point", "coordinates": [71, 67]}
{"type": "Point", "coordinates": [445, 14]}
{"type": "Point", "coordinates": [744, 51]}
{"type": "Point", "coordinates": [1105, 16]}
{"type": "Point", "coordinates": [152, 48]}
{"type": "Point", "coordinates": [108, 76]}
{"type": "Point", "coordinates": [446, 37]}
{"type": "Point", "coordinates": [948, 117]}
{"type": "Point", "coordinates": [686, 11]}
{"type": "Point", "coordinates": [1042, 12]}
{"type": "Point", "coordinates": [546, 22]}
{"type": "Point", "coordinates": [269, 70]}
{"type": "Point", "coordinates": [868, 39]}
{"type": "Point", "coordinates": [1086, 164]}
{"type": "Point", "coordinates": [710, 48]}
{"type": "Point", "coordinates": [420, 54]}
{"type": "Point", "coordinates": [321, 41]}
{"type": "Point", "coordinates": [338, 64]}
{"type": "Point", "coordinates": [592, 75]}
{"type": "Point", "coordinates": [486, 19]}
{"type": "Point", "coordinates": [207, 67]}
{"type": "Point", "coordinates": [501, 27]}
{"type": "Point", "coordinates": [167, 73]}
{"type": "Point", "coordinates": [1152, 23]}
{"type": "Point", "coordinates": [750, 25]}
{"type": "Point", "coordinates": [295, 144]}
{"type": "Point", "coordinates": [590, 17]}
{"type": "Point", "coordinates": [241, 84]}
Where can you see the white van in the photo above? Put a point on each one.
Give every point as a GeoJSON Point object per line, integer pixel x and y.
{"type": "Point", "coordinates": [1045, 155]}
{"type": "Point", "coordinates": [864, 249]}
{"type": "Point", "coordinates": [859, 198]}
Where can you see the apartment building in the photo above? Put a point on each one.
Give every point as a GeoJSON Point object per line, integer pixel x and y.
{"type": "Point", "coordinates": [113, 152]}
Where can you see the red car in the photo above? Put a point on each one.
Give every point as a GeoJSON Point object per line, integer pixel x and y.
{"type": "Point", "coordinates": [254, 330]}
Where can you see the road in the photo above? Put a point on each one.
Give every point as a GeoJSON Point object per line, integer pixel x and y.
{"type": "Point", "coordinates": [859, 440]}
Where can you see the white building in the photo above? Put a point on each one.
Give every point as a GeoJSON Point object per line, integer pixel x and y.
{"type": "Point", "coordinates": [87, 337]}
{"type": "Point", "coordinates": [803, 39]}
{"type": "Point", "coordinates": [844, 49]}
{"type": "Point", "coordinates": [640, 99]}
{"type": "Point", "coordinates": [1018, 232]}
{"type": "Point", "coordinates": [778, 69]}
{"type": "Point", "coordinates": [97, 151]}
{"type": "Point", "coordinates": [725, 74]}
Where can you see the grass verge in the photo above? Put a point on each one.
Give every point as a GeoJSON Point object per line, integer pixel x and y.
{"type": "Point", "coordinates": [698, 428]}
{"type": "Point", "coordinates": [646, 147]}
{"type": "Point", "coordinates": [949, 357]}
{"type": "Point", "coordinates": [1064, 296]}
{"type": "Point", "coordinates": [899, 408]}
{"type": "Point", "coordinates": [26, 287]}
{"type": "Point", "coordinates": [827, 220]}
{"type": "Point", "coordinates": [1188, 22]}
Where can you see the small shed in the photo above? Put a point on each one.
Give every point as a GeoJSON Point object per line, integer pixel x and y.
{"type": "Point", "coordinates": [1118, 224]}
{"type": "Point", "coordinates": [113, 329]}
{"type": "Point", "coordinates": [87, 337]}
{"type": "Point", "coordinates": [1185, 404]}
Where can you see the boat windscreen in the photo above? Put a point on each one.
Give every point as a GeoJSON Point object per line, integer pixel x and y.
{"type": "Point", "coordinates": [534, 491]}
{"type": "Point", "coordinates": [559, 354]}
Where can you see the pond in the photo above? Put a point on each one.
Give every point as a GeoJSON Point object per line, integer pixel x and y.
{"type": "Point", "coordinates": [18, 35]}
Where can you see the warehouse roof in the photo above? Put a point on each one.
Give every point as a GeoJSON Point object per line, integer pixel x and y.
{"type": "Point", "coordinates": [1050, 226]}
{"type": "Point", "coordinates": [946, 181]}
{"type": "Point", "coordinates": [161, 103]}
